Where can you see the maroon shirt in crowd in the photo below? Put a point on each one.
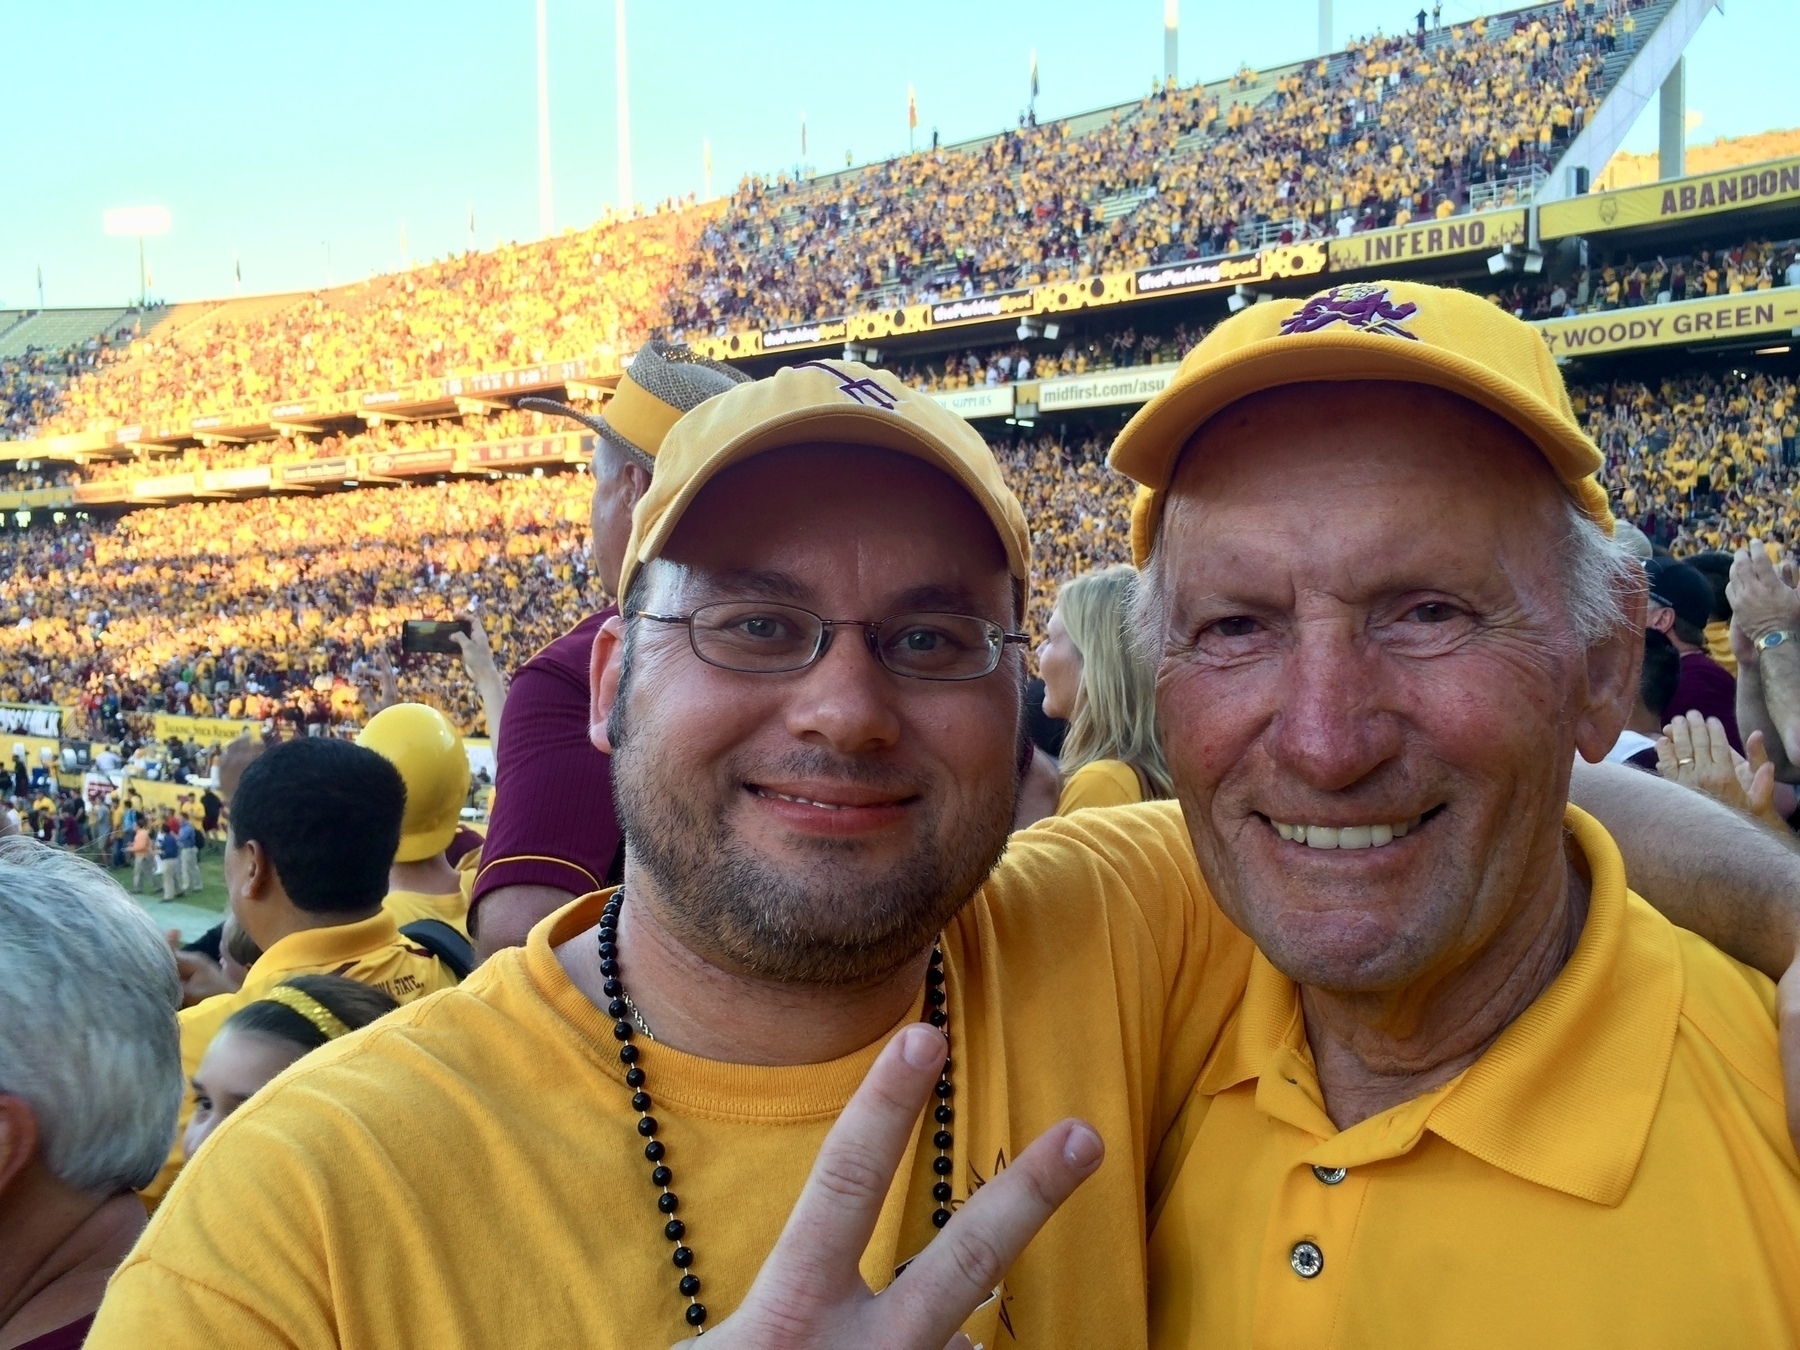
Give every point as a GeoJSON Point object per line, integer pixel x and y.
{"type": "Point", "coordinates": [553, 821]}
{"type": "Point", "coordinates": [1705, 687]}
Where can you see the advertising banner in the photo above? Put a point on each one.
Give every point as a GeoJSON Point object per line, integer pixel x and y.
{"type": "Point", "coordinates": [994, 400]}
{"type": "Point", "coordinates": [1719, 316]}
{"type": "Point", "coordinates": [1199, 274]}
{"type": "Point", "coordinates": [31, 719]}
{"type": "Point", "coordinates": [1675, 199]}
{"type": "Point", "coordinates": [204, 730]}
{"type": "Point", "coordinates": [805, 334]}
{"type": "Point", "coordinates": [1431, 239]}
{"type": "Point", "coordinates": [976, 307]}
{"type": "Point", "coordinates": [1134, 384]}
{"type": "Point", "coordinates": [236, 480]}
{"type": "Point", "coordinates": [404, 463]}
{"type": "Point", "coordinates": [524, 451]}
{"type": "Point", "coordinates": [173, 485]}
{"type": "Point", "coordinates": [320, 470]}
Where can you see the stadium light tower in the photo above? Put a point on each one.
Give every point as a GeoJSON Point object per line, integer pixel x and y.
{"type": "Point", "coordinates": [624, 107]}
{"type": "Point", "coordinates": [1171, 32]}
{"type": "Point", "coordinates": [126, 221]}
{"type": "Point", "coordinates": [546, 216]}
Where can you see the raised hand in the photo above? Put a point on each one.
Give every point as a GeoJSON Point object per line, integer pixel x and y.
{"type": "Point", "coordinates": [810, 1294]}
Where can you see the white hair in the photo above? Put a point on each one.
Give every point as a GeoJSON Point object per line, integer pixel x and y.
{"type": "Point", "coordinates": [1598, 573]}
{"type": "Point", "coordinates": [88, 1034]}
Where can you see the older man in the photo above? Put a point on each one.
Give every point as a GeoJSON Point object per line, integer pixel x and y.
{"type": "Point", "coordinates": [90, 1080]}
{"type": "Point", "coordinates": [1477, 1093]}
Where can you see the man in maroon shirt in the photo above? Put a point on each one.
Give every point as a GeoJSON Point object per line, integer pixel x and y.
{"type": "Point", "coordinates": [1681, 601]}
{"type": "Point", "coordinates": [553, 835]}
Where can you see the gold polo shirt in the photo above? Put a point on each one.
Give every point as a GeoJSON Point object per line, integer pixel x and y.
{"type": "Point", "coordinates": [1614, 1171]}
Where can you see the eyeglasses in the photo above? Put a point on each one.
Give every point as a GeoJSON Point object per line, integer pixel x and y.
{"type": "Point", "coordinates": [764, 639]}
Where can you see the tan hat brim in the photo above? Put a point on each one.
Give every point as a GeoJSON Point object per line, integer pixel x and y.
{"type": "Point", "coordinates": [874, 428]}
{"type": "Point", "coordinates": [1152, 442]}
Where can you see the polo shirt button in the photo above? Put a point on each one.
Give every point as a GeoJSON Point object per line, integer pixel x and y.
{"type": "Point", "coordinates": [1306, 1259]}
{"type": "Point", "coordinates": [1331, 1175]}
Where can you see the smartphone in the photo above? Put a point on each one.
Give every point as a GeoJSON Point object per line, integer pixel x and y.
{"type": "Point", "coordinates": [432, 635]}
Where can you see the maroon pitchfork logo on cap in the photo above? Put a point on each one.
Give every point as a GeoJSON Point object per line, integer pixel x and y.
{"type": "Point", "coordinates": [1361, 306]}
{"type": "Point", "coordinates": [865, 391]}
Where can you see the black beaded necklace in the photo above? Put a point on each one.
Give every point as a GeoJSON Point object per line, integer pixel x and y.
{"type": "Point", "coordinates": [621, 1010]}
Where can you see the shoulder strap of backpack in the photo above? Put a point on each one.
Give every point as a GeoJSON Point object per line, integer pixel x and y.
{"type": "Point", "coordinates": [443, 942]}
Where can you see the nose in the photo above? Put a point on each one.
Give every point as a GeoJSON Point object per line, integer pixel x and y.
{"type": "Point", "coordinates": [846, 700]}
{"type": "Point", "coordinates": [1331, 728]}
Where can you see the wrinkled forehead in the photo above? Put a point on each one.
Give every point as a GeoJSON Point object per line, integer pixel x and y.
{"type": "Point", "coordinates": [1320, 462]}
{"type": "Point", "coordinates": [830, 519]}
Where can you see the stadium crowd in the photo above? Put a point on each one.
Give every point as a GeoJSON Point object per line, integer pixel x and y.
{"type": "Point", "coordinates": [1628, 282]}
{"type": "Point", "coordinates": [583, 293]}
{"type": "Point", "coordinates": [1393, 132]}
{"type": "Point", "coordinates": [244, 609]}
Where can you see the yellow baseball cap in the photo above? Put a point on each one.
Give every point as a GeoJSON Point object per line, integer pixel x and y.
{"type": "Point", "coordinates": [1381, 330]}
{"type": "Point", "coordinates": [829, 402]}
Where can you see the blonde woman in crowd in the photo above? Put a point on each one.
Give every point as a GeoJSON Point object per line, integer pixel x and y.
{"type": "Point", "coordinates": [1095, 678]}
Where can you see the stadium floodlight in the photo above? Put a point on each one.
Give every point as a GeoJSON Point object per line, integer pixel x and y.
{"type": "Point", "coordinates": [1242, 297]}
{"type": "Point", "coordinates": [1050, 332]}
{"type": "Point", "coordinates": [1030, 328]}
{"type": "Point", "coordinates": [1499, 263]}
{"type": "Point", "coordinates": [126, 221]}
{"type": "Point", "coordinates": [1534, 261]}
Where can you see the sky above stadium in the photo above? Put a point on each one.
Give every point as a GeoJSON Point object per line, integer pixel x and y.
{"type": "Point", "coordinates": [317, 144]}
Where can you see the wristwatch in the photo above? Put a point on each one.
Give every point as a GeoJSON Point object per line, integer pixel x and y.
{"type": "Point", "coordinates": [1776, 638]}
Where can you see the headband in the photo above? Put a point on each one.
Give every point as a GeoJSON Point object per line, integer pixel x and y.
{"type": "Point", "coordinates": [327, 1023]}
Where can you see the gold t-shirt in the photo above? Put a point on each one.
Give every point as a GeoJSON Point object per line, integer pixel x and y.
{"type": "Point", "coordinates": [1100, 782]}
{"type": "Point", "coordinates": [468, 1172]}
{"type": "Point", "coordinates": [410, 906]}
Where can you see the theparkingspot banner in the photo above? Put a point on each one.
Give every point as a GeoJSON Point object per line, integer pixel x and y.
{"type": "Point", "coordinates": [1720, 316]}
{"type": "Point", "coordinates": [1675, 199]}
{"type": "Point", "coordinates": [1134, 384]}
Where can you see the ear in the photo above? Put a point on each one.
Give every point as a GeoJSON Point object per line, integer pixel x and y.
{"type": "Point", "coordinates": [1613, 665]}
{"type": "Point", "coordinates": [604, 666]}
{"type": "Point", "coordinates": [634, 482]}
{"type": "Point", "coordinates": [1662, 619]}
{"type": "Point", "coordinates": [18, 1138]}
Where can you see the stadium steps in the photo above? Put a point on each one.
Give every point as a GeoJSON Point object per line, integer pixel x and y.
{"type": "Point", "coordinates": [56, 330]}
{"type": "Point", "coordinates": [1121, 204]}
{"type": "Point", "coordinates": [1646, 19]}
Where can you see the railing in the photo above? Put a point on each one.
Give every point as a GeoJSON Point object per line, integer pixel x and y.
{"type": "Point", "coordinates": [1522, 187]}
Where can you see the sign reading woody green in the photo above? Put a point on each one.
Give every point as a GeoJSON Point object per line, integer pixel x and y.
{"type": "Point", "coordinates": [1676, 199]}
{"type": "Point", "coordinates": [1751, 314]}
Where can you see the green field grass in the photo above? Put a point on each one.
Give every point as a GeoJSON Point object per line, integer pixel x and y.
{"type": "Point", "coordinates": [193, 913]}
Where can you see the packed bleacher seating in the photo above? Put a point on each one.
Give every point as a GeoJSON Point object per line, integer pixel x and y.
{"type": "Point", "coordinates": [1626, 282]}
{"type": "Point", "coordinates": [1047, 359]}
{"type": "Point", "coordinates": [287, 592]}
{"type": "Point", "coordinates": [1700, 461]}
{"type": "Point", "coordinates": [1395, 130]}
{"type": "Point", "coordinates": [576, 295]}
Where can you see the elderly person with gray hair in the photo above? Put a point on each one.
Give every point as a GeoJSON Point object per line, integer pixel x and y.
{"type": "Point", "coordinates": [90, 1082]}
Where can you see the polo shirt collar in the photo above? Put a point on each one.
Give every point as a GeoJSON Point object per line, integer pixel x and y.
{"type": "Point", "coordinates": [320, 949]}
{"type": "Point", "coordinates": [1563, 1098]}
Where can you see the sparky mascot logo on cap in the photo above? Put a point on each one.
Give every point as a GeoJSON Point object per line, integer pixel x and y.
{"type": "Point", "coordinates": [866, 392]}
{"type": "Point", "coordinates": [1360, 306]}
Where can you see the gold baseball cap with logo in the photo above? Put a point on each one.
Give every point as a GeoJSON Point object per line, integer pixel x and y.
{"type": "Point", "coordinates": [819, 402]}
{"type": "Point", "coordinates": [1386, 330]}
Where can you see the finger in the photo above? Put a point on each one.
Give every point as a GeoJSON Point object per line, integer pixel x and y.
{"type": "Point", "coordinates": [960, 1269]}
{"type": "Point", "coordinates": [1665, 757]}
{"type": "Point", "coordinates": [1718, 745]}
{"type": "Point", "coordinates": [1762, 792]}
{"type": "Point", "coordinates": [837, 1209]}
{"type": "Point", "coordinates": [1683, 741]}
{"type": "Point", "coordinates": [1755, 752]}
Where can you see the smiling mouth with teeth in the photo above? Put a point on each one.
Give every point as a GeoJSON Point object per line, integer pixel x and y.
{"type": "Point", "coordinates": [808, 801]}
{"type": "Point", "coordinates": [1347, 836]}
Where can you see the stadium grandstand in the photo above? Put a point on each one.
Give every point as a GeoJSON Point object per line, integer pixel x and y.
{"type": "Point", "coordinates": [189, 493]}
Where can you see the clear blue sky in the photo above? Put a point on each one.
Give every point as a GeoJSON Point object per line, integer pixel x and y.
{"type": "Point", "coordinates": [273, 130]}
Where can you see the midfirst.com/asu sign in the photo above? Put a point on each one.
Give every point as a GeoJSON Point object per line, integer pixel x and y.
{"type": "Point", "coordinates": [1657, 203]}
{"type": "Point", "coordinates": [1721, 316]}
{"type": "Point", "coordinates": [1134, 384]}
{"type": "Point", "coordinates": [1434, 239]}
